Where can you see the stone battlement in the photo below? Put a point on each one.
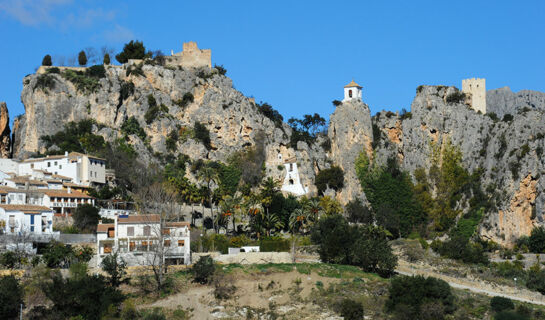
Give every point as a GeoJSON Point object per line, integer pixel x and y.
{"type": "Point", "coordinates": [191, 56]}
{"type": "Point", "coordinates": [475, 89]}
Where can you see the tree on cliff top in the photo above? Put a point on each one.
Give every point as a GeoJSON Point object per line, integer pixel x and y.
{"type": "Point", "coordinates": [133, 50]}
{"type": "Point", "coordinates": [47, 60]}
{"type": "Point", "coordinates": [82, 58]}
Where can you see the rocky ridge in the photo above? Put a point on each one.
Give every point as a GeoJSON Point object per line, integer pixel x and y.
{"type": "Point", "coordinates": [508, 152]}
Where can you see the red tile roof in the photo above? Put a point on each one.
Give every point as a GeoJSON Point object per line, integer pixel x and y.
{"type": "Point", "coordinates": [26, 208]}
{"type": "Point", "coordinates": [103, 227]}
{"type": "Point", "coordinates": [145, 218]}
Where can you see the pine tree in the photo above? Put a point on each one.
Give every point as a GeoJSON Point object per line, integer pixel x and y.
{"type": "Point", "coordinates": [82, 58]}
{"type": "Point", "coordinates": [47, 60]}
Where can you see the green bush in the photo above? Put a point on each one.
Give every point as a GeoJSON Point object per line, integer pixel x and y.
{"type": "Point", "coordinates": [106, 59]}
{"type": "Point", "coordinates": [337, 103]}
{"type": "Point", "coordinates": [131, 126]}
{"type": "Point", "coordinates": [332, 177]}
{"type": "Point", "coordinates": [221, 69]}
{"type": "Point", "coordinates": [456, 97]}
{"type": "Point", "coordinates": [499, 304]}
{"type": "Point", "coordinates": [268, 111]}
{"type": "Point", "coordinates": [203, 270]}
{"type": "Point", "coordinates": [351, 310]}
{"type": "Point", "coordinates": [536, 242]}
{"type": "Point", "coordinates": [135, 70]}
{"type": "Point", "coordinates": [460, 248]}
{"type": "Point", "coordinates": [510, 315]}
{"type": "Point", "coordinates": [45, 81]}
{"type": "Point", "coordinates": [76, 137]}
{"type": "Point", "coordinates": [536, 281]}
{"type": "Point", "coordinates": [84, 81]}
{"type": "Point", "coordinates": [202, 134]}
{"type": "Point", "coordinates": [274, 244]}
{"type": "Point", "coordinates": [127, 89]}
{"type": "Point", "coordinates": [11, 297]}
{"type": "Point", "coordinates": [86, 217]}
{"type": "Point", "coordinates": [413, 296]}
{"type": "Point", "coordinates": [132, 50]}
{"type": "Point", "coordinates": [153, 110]}
{"type": "Point", "coordinates": [358, 213]}
{"type": "Point", "coordinates": [507, 117]}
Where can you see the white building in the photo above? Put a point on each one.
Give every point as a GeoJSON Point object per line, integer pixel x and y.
{"type": "Point", "coordinates": [292, 181]}
{"type": "Point", "coordinates": [26, 219]}
{"type": "Point", "coordinates": [352, 91]}
{"type": "Point", "coordinates": [136, 238]}
{"type": "Point", "coordinates": [80, 168]}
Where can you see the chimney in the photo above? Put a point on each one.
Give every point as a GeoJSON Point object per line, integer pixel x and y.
{"type": "Point", "coordinates": [100, 221]}
{"type": "Point", "coordinates": [69, 189]}
{"type": "Point", "coordinates": [66, 153]}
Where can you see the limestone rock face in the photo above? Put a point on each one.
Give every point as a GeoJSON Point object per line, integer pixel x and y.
{"type": "Point", "coordinates": [509, 153]}
{"type": "Point", "coordinates": [5, 141]}
{"type": "Point", "coordinates": [503, 101]}
{"type": "Point", "coordinates": [351, 132]}
{"type": "Point", "coordinates": [233, 120]}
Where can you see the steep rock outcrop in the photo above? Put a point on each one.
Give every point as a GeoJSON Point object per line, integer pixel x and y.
{"type": "Point", "coordinates": [350, 132]}
{"type": "Point", "coordinates": [5, 140]}
{"type": "Point", "coordinates": [507, 152]}
{"type": "Point", "coordinates": [503, 101]}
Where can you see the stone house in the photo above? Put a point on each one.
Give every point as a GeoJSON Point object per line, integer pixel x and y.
{"type": "Point", "coordinates": [136, 239]}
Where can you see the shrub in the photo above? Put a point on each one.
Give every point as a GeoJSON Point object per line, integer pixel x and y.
{"type": "Point", "coordinates": [203, 270]}
{"type": "Point", "coordinates": [115, 267]}
{"type": "Point", "coordinates": [135, 70]}
{"type": "Point", "coordinates": [332, 178]}
{"type": "Point", "coordinates": [460, 248]}
{"type": "Point", "coordinates": [493, 116]}
{"type": "Point", "coordinates": [510, 315]}
{"type": "Point", "coordinates": [224, 287]}
{"type": "Point", "coordinates": [186, 99]}
{"type": "Point", "coordinates": [274, 244]}
{"type": "Point", "coordinates": [127, 89]}
{"type": "Point", "coordinates": [357, 212]}
{"type": "Point", "coordinates": [71, 297]}
{"type": "Point", "coordinates": [536, 281]}
{"type": "Point", "coordinates": [507, 117]}
{"type": "Point", "coordinates": [536, 242]}
{"type": "Point", "coordinates": [86, 217]}
{"type": "Point", "coordinates": [326, 145]}
{"type": "Point", "coordinates": [83, 81]}
{"type": "Point", "coordinates": [153, 110]}
{"type": "Point", "coordinates": [202, 134]}
{"type": "Point", "coordinates": [351, 310]}
{"type": "Point", "coordinates": [455, 97]}
{"type": "Point", "coordinates": [268, 111]}
{"type": "Point", "coordinates": [11, 297]}
{"type": "Point", "coordinates": [45, 81]}
{"type": "Point", "coordinates": [46, 61]}
{"type": "Point", "coordinates": [221, 69]}
{"type": "Point", "coordinates": [337, 103]}
{"type": "Point", "coordinates": [414, 292]}
{"type": "Point", "coordinates": [131, 126]}
{"type": "Point", "coordinates": [106, 59]}
{"type": "Point", "coordinates": [499, 304]}
{"type": "Point", "coordinates": [132, 50]}
{"type": "Point", "coordinates": [9, 259]}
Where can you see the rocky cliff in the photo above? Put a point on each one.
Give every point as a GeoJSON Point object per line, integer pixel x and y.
{"type": "Point", "coordinates": [509, 152]}
{"type": "Point", "coordinates": [5, 139]}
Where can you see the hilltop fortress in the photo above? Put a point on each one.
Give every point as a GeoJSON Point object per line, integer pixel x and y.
{"type": "Point", "coordinates": [475, 90]}
{"type": "Point", "coordinates": [191, 56]}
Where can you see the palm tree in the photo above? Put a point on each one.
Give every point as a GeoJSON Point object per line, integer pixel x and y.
{"type": "Point", "coordinates": [209, 175]}
{"type": "Point", "coordinates": [269, 187]}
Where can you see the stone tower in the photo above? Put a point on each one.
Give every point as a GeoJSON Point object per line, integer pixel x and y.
{"type": "Point", "coordinates": [475, 88]}
{"type": "Point", "coordinates": [352, 91]}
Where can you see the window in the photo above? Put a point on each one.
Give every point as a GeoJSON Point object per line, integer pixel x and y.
{"type": "Point", "coordinates": [350, 93]}
{"type": "Point", "coordinates": [32, 166]}
{"type": "Point", "coordinates": [49, 164]}
{"type": "Point", "coordinates": [291, 167]}
{"type": "Point", "coordinates": [132, 246]}
{"type": "Point", "coordinates": [91, 173]}
{"type": "Point", "coordinates": [147, 230]}
{"type": "Point", "coordinates": [291, 181]}
{"type": "Point", "coordinates": [181, 243]}
{"type": "Point", "coordinates": [60, 166]}
{"type": "Point", "coordinates": [55, 163]}
{"type": "Point", "coordinates": [166, 231]}
{"type": "Point", "coordinates": [166, 243]}
{"type": "Point", "coordinates": [130, 231]}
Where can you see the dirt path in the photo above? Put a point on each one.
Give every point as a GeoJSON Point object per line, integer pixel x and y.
{"type": "Point", "coordinates": [482, 287]}
{"type": "Point", "coordinates": [193, 299]}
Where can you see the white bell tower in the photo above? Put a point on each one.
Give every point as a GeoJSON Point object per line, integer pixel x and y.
{"type": "Point", "coordinates": [352, 91]}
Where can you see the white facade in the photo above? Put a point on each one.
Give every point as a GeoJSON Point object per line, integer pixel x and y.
{"type": "Point", "coordinates": [58, 201]}
{"type": "Point", "coordinates": [80, 168]}
{"type": "Point", "coordinates": [352, 91]}
{"type": "Point", "coordinates": [136, 238]}
{"type": "Point", "coordinates": [9, 165]}
{"type": "Point", "coordinates": [26, 219]}
{"type": "Point", "coordinates": [292, 181]}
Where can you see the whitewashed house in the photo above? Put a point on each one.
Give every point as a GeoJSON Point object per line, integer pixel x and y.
{"type": "Point", "coordinates": [136, 239]}
{"type": "Point", "coordinates": [26, 219]}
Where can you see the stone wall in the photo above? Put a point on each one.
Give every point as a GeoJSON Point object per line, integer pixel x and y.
{"type": "Point", "coordinates": [191, 57]}
{"type": "Point", "coordinates": [476, 89]}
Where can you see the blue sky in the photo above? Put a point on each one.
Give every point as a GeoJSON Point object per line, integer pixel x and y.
{"type": "Point", "coordinates": [296, 55]}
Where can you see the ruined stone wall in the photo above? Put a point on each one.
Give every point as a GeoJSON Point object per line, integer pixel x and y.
{"type": "Point", "coordinates": [192, 57]}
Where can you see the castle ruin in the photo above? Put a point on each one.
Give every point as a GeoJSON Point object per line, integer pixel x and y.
{"type": "Point", "coordinates": [191, 56]}
{"type": "Point", "coordinates": [475, 90]}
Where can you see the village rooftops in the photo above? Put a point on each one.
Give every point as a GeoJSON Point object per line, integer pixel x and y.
{"type": "Point", "coordinates": [103, 227]}
{"type": "Point", "coordinates": [352, 84]}
{"type": "Point", "coordinates": [177, 224]}
{"type": "Point", "coordinates": [6, 190]}
{"type": "Point", "coordinates": [71, 155]}
{"type": "Point", "coordinates": [26, 208]}
{"type": "Point", "coordinates": [58, 176]}
{"type": "Point", "coordinates": [145, 218]}
{"type": "Point", "coordinates": [74, 185]}
{"type": "Point", "coordinates": [64, 193]}
{"type": "Point", "coordinates": [24, 180]}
